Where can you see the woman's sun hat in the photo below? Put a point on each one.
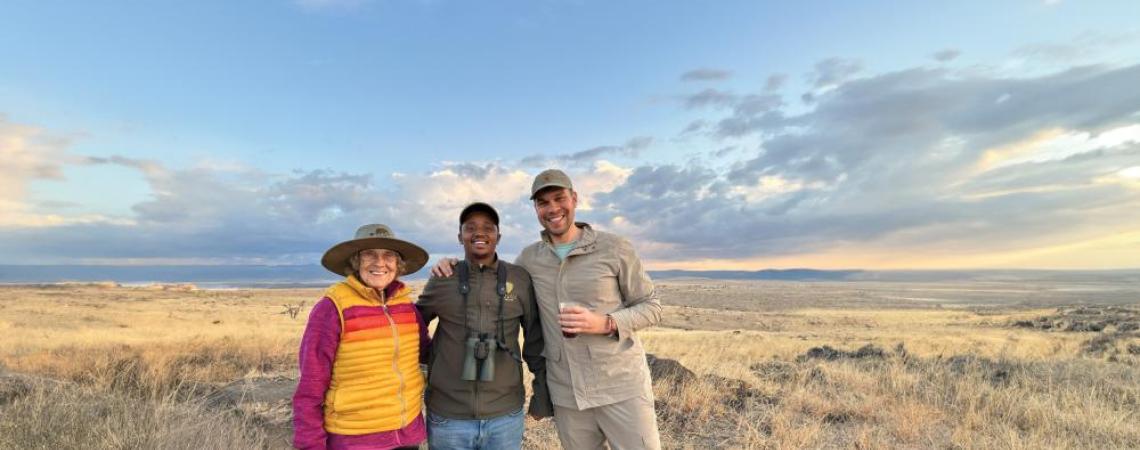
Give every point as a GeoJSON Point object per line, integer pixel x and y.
{"type": "Point", "coordinates": [375, 235]}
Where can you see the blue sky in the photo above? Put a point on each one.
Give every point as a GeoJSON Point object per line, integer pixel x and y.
{"type": "Point", "coordinates": [713, 134]}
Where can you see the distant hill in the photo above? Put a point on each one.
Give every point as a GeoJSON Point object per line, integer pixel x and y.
{"type": "Point", "coordinates": [928, 276]}
{"type": "Point", "coordinates": [767, 274]}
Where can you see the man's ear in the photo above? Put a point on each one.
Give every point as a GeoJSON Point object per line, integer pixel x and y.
{"type": "Point", "coordinates": [459, 237]}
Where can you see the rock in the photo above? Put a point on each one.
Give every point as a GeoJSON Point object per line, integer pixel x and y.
{"type": "Point", "coordinates": [662, 369]}
{"type": "Point", "coordinates": [827, 353]}
{"type": "Point", "coordinates": [997, 373]}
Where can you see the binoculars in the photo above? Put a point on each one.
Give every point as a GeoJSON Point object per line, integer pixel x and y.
{"type": "Point", "coordinates": [479, 358]}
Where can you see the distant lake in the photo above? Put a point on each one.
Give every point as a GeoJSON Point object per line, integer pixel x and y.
{"type": "Point", "coordinates": [203, 276]}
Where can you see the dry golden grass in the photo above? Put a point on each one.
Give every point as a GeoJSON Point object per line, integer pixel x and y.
{"type": "Point", "coordinates": [142, 368]}
{"type": "Point", "coordinates": [60, 416]}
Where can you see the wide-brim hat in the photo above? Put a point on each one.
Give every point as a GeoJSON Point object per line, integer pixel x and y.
{"type": "Point", "coordinates": [375, 235]}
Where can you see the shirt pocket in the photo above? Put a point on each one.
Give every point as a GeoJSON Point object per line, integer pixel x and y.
{"type": "Point", "coordinates": [596, 286]}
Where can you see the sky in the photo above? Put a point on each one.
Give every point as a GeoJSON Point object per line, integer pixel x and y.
{"type": "Point", "coordinates": [738, 135]}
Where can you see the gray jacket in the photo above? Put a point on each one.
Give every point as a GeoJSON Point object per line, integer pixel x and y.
{"type": "Point", "coordinates": [604, 273]}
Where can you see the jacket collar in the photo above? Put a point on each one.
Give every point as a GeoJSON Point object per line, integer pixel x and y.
{"type": "Point", "coordinates": [493, 266]}
{"type": "Point", "coordinates": [587, 237]}
{"type": "Point", "coordinates": [393, 289]}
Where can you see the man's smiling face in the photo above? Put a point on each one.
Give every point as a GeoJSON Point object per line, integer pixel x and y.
{"type": "Point", "coordinates": [479, 236]}
{"type": "Point", "coordinates": [555, 210]}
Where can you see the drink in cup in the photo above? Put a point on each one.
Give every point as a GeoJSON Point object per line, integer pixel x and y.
{"type": "Point", "coordinates": [561, 307]}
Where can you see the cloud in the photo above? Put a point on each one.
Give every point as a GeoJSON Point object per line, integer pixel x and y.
{"type": "Point", "coordinates": [775, 82]}
{"type": "Point", "coordinates": [709, 98]}
{"type": "Point", "coordinates": [706, 74]}
{"type": "Point", "coordinates": [1084, 48]}
{"type": "Point", "coordinates": [30, 154]}
{"type": "Point", "coordinates": [228, 214]}
{"type": "Point", "coordinates": [833, 71]}
{"type": "Point", "coordinates": [631, 149]}
{"type": "Point", "coordinates": [921, 163]}
{"type": "Point", "coordinates": [913, 159]}
{"type": "Point", "coordinates": [946, 55]}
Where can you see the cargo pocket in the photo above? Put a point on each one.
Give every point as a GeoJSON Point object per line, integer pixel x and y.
{"type": "Point", "coordinates": [612, 363]}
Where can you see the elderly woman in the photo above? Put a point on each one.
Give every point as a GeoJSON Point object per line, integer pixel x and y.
{"type": "Point", "coordinates": [361, 385]}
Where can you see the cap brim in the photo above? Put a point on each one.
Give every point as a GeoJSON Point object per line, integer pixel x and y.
{"type": "Point", "coordinates": [548, 185]}
{"type": "Point", "coordinates": [336, 258]}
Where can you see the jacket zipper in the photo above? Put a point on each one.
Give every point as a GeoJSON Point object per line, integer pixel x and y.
{"type": "Point", "coordinates": [479, 324]}
{"type": "Point", "coordinates": [559, 288]}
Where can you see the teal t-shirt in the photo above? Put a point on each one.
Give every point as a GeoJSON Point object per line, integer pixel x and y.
{"type": "Point", "coordinates": [564, 249]}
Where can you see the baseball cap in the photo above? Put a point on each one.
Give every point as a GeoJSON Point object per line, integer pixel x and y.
{"type": "Point", "coordinates": [479, 207]}
{"type": "Point", "coordinates": [550, 178]}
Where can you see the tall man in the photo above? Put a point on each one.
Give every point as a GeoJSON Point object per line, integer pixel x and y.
{"type": "Point", "coordinates": [475, 390]}
{"type": "Point", "coordinates": [596, 369]}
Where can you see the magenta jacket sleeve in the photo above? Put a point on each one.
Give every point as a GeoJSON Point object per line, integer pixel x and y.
{"type": "Point", "coordinates": [318, 348]}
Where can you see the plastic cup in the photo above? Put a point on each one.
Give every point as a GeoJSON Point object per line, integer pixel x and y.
{"type": "Point", "coordinates": [561, 307]}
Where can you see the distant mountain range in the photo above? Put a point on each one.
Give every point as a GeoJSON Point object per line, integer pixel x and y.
{"type": "Point", "coordinates": [978, 275]}
{"type": "Point", "coordinates": [314, 275]}
{"type": "Point", "coordinates": [767, 274]}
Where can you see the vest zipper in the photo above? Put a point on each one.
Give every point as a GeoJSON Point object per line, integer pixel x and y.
{"type": "Point", "coordinates": [396, 363]}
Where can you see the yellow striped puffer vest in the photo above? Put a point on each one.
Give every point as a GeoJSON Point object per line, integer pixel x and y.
{"type": "Point", "coordinates": [376, 381]}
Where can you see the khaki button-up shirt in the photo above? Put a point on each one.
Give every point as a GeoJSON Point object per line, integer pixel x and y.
{"type": "Point", "coordinates": [603, 273]}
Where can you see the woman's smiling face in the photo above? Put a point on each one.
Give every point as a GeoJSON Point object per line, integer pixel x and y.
{"type": "Point", "coordinates": [378, 267]}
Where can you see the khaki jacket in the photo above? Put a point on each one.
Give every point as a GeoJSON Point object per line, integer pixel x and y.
{"type": "Point", "coordinates": [604, 273]}
{"type": "Point", "coordinates": [448, 395]}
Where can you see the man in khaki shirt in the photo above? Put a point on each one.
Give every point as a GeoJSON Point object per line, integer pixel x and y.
{"type": "Point", "coordinates": [593, 295]}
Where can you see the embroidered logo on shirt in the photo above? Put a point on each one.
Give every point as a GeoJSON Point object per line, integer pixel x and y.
{"type": "Point", "coordinates": [510, 297]}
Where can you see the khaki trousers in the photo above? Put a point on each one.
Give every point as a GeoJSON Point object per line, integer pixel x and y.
{"type": "Point", "coordinates": [627, 425]}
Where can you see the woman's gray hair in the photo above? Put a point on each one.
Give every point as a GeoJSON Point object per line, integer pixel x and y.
{"type": "Point", "coordinates": [401, 266]}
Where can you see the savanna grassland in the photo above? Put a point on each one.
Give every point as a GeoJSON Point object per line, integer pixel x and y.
{"type": "Point", "coordinates": [736, 365]}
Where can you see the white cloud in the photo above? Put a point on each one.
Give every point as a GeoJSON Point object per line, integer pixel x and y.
{"type": "Point", "coordinates": [29, 154]}
{"type": "Point", "coordinates": [1054, 145]}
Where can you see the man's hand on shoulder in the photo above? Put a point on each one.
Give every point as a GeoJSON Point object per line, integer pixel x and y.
{"type": "Point", "coordinates": [443, 268]}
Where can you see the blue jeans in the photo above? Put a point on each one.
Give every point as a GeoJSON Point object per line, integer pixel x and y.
{"type": "Point", "coordinates": [498, 433]}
